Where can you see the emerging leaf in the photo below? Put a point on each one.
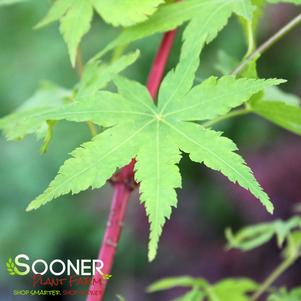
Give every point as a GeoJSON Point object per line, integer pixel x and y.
{"type": "Point", "coordinates": [252, 237]}
{"type": "Point", "coordinates": [283, 295]}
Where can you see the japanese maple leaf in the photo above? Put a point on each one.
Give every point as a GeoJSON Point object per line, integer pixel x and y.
{"type": "Point", "coordinates": [156, 135]}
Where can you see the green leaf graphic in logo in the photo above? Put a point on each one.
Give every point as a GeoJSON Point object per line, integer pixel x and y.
{"type": "Point", "coordinates": [11, 268]}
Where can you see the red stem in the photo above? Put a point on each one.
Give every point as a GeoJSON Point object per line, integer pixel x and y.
{"type": "Point", "coordinates": [156, 73]}
{"type": "Point", "coordinates": [124, 183]}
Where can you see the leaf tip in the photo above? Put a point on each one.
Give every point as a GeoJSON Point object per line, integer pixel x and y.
{"type": "Point", "coordinates": [150, 289]}
{"type": "Point", "coordinates": [31, 206]}
{"type": "Point", "coordinates": [151, 255]}
{"type": "Point", "coordinates": [281, 81]}
{"type": "Point", "coordinates": [72, 59]}
{"type": "Point", "coordinates": [137, 53]}
{"type": "Point", "coordinates": [269, 206]}
{"type": "Point", "coordinates": [39, 25]}
{"type": "Point", "coordinates": [152, 251]}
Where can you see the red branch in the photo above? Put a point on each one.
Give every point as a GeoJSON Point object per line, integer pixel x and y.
{"type": "Point", "coordinates": [124, 182]}
{"type": "Point", "coordinates": [156, 73]}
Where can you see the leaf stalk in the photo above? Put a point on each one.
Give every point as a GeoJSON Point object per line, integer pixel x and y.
{"type": "Point", "coordinates": [268, 43]}
{"type": "Point", "coordinates": [279, 270]}
{"type": "Point", "coordinates": [79, 67]}
{"type": "Point", "coordinates": [232, 114]}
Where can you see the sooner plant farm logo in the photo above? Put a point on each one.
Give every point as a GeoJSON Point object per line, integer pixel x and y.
{"type": "Point", "coordinates": [21, 266]}
{"type": "Point", "coordinates": [57, 274]}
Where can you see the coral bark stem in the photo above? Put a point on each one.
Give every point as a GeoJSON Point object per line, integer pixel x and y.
{"type": "Point", "coordinates": [123, 183]}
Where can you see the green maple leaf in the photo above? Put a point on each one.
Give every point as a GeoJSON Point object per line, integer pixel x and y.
{"type": "Point", "coordinates": [76, 16]}
{"type": "Point", "coordinates": [233, 289]}
{"type": "Point", "coordinates": [33, 116]}
{"type": "Point", "coordinates": [126, 12]}
{"type": "Point", "coordinates": [280, 108]}
{"type": "Point", "coordinates": [206, 17]}
{"type": "Point", "coordinates": [75, 21]}
{"type": "Point", "coordinates": [229, 289]}
{"type": "Point", "coordinates": [193, 295]}
{"type": "Point", "coordinates": [156, 135]}
{"type": "Point", "coordinates": [19, 124]}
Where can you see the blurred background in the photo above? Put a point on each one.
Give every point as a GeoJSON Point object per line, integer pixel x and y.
{"type": "Point", "coordinates": [72, 226]}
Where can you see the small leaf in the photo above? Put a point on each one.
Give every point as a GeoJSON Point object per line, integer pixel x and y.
{"type": "Point", "coordinates": [75, 21]}
{"type": "Point", "coordinates": [96, 75]}
{"type": "Point", "coordinates": [75, 24]}
{"type": "Point", "coordinates": [28, 118]}
{"type": "Point", "coordinates": [48, 104]}
{"type": "Point", "coordinates": [284, 228]}
{"type": "Point", "coordinates": [126, 12]}
{"type": "Point", "coordinates": [193, 295]}
{"type": "Point", "coordinates": [250, 238]}
{"type": "Point", "coordinates": [56, 12]}
{"type": "Point", "coordinates": [254, 236]}
{"type": "Point", "coordinates": [283, 295]}
{"type": "Point", "coordinates": [283, 114]}
{"type": "Point", "coordinates": [276, 94]}
{"type": "Point", "coordinates": [233, 289]}
{"type": "Point", "coordinates": [293, 247]}
{"type": "Point", "coordinates": [172, 282]}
